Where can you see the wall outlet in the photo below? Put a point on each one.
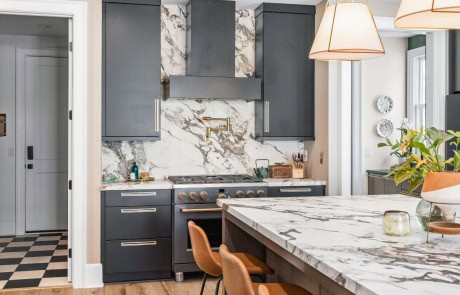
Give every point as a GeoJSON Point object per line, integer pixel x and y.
{"type": "Point", "coordinates": [367, 152]}
{"type": "Point", "coordinates": [11, 152]}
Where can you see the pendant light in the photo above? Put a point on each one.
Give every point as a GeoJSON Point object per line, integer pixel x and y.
{"type": "Point", "coordinates": [347, 32]}
{"type": "Point", "coordinates": [429, 14]}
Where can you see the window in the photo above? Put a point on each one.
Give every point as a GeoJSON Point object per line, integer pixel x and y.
{"type": "Point", "coordinates": [416, 87]}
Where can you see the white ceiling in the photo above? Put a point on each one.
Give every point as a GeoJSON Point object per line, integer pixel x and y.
{"type": "Point", "coordinates": [251, 4]}
{"type": "Point", "coordinates": [32, 25]}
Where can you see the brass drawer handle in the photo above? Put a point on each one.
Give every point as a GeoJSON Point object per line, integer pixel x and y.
{"type": "Point", "coordinates": [267, 116]}
{"type": "Point", "coordinates": [138, 244]}
{"type": "Point", "coordinates": [183, 210]}
{"type": "Point", "coordinates": [140, 194]}
{"type": "Point", "coordinates": [295, 190]}
{"type": "Point", "coordinates": [157, 115]}
{"type": "Point", "coordinates": [143, 210]}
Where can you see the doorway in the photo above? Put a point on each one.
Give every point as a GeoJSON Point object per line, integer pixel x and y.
{"type": "Point", "coordinates": [34, 50]}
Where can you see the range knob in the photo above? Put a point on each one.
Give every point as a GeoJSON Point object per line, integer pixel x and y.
{"type": "Point", "coordinates": [204, 196]}
{"type": "Point", "coordinates": [250, 194]}
{"type": "Point", "coordinates": [240, 194]}
{"type": "Point", "coordinates": [221, 196]}
{"type": "Point", "coordinates": [181, 196]}
{"type": "Point", "coordinates": [260, 194]}
{"type": "Point", "coordinates": [192, 196]}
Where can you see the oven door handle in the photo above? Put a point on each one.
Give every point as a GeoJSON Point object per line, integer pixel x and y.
{"type": "Point", "coordinates": [200, 210]}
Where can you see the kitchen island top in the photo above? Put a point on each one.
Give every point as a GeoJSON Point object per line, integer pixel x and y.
{"type": "Point", "coordinates": [342, 238]}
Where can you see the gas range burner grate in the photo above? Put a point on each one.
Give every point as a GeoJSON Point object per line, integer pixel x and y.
{"type": "Point", "coordinates": [197, 179]}
{"type": "Point", "coordinates": [245, 178]}
{"type": "Point", "coordinates": [186, 179]}
{"type": "Point", "coordinates": [218, 179]}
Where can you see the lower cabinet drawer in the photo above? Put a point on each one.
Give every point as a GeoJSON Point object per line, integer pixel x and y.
{"type": "Point", "coordinates": [294, 191]}
{"type": "Point", "coordinates": [124, 223]}
{"type": "Point", "coordinates": [130, 256]}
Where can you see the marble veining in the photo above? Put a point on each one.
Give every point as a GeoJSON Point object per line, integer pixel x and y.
{"type": "Point", "coordinates": [293, 182]}
{"type": "Point", "coordinates": [183, 148]}
{"type": "Point", "coordinates": [342, 237]}
{"type": "Point", "coordinates": [122, 186]}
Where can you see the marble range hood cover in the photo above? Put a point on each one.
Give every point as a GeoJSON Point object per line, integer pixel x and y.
{"type": "Point", "coordinates": [211, 56]}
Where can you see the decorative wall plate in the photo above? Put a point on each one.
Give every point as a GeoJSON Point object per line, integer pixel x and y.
{"type": "Point", "coordinates": [384, 128]}
{"type": "Point", "coordinates": [384, 104]}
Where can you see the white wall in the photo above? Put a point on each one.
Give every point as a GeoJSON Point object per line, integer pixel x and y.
{"type": "Point", "coordinates": [382, 76]}
{"type": "Point", "coordinates": [8, 46]}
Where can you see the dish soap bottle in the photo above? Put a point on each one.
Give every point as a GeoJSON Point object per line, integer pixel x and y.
{"type": "Point", "coordinates": [135, 170]}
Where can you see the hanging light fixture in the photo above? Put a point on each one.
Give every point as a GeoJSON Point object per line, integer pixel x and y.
{"type": "Point", "coordinates": [347, 32]}
{"type": "Point", "coordinates": [429, 14]}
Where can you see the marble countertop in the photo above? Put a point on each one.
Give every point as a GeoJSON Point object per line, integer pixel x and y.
{"type": "Point", "coordinates": [293, 182]}
{"type": "Point", "coordinates": [121, 186]}
{"type": "Point", "coordinates": [342, 238]}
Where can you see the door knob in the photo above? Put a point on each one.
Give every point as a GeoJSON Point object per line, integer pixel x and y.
{"type": "Point", "coordinates": [30, 166]}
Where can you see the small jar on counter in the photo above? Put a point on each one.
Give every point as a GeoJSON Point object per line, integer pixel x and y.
{"type": "Point", "coordinates": [396, 223]}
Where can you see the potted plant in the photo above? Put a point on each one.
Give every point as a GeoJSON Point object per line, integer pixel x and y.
{"type": "Point", "coordinates": [425, 165]}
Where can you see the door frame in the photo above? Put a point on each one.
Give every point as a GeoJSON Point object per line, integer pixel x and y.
{"type": "Point", "coordinates": [76, 10]}
{"type": "Point", "coordinates": [21, 55]}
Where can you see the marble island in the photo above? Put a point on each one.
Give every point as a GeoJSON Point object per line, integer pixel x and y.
{"type": "Point", "coordinates": [335, 245]}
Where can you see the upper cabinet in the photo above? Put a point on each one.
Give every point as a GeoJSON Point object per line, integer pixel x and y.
{"type": "Point", "coordinates": [454, 63]}
{"type": "Point", "coordinates": [131, 89]}
{"type": "Point", "coordinates": [284, 36]}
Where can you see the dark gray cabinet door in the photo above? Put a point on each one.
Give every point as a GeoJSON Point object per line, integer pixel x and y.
{"type": "Point", "coordinates": [287, 74]}
{"type": "Point", "coordinates": [454, 64]}
{"type": "Point", "coordinates": [132, 53]}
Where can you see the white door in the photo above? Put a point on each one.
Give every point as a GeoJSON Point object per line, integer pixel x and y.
{"type": "Point", "coordinates": [46, 143]}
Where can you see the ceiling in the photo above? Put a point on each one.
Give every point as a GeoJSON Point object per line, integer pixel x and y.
{"type": "Point", "coordinates": [251, 4]}
{"type": "Point", "coordinates": [33, 25]}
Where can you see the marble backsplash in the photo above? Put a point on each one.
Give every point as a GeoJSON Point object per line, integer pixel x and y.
{"type": "Point", "coordinates": [183, 148]}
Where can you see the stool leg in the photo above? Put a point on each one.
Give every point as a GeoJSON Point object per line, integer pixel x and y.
{"type": "Point", "coordinates": [204, 283]}
{"type": "Point", "coordinates": [218, 285]}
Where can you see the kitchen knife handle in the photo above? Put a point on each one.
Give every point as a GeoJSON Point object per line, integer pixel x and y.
{"type": "Point", "coordinates": [157, 115]}
{"type": "Point", "coordinates": [138, 244]}
{"type": "Point", "coordinates": [267, 116]}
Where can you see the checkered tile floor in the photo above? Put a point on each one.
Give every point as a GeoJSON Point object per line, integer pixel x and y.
{"type": "Point", "coordinates": [33, 261]}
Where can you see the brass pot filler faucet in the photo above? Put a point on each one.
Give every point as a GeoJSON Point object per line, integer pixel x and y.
{"type": "Point", "coordinates": [211, 129]}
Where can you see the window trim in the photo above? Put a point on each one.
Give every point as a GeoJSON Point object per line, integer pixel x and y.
{"type": "Point", "coordinates": [412, 55]}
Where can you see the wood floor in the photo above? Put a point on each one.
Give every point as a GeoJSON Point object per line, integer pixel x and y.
{"type": "Point", "coordinates": [188, 287]}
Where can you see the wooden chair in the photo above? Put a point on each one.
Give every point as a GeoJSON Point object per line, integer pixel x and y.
{"type": "Point", "coordinates": [238, 282]}
{"type": "Point", "coordinates": [210, 262]}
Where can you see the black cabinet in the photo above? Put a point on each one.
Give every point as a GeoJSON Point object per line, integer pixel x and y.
{"type": "Point", "coordinates": [454, 61]}
{"type": "Point", "coordinates": [284, 36]}
{"type": "Point", "coordinates": [452, 119]}
{"type": "Point", "coordinates": [378, 184]}
{"type": "Point", "coordinates": [136, 235]}
{"type": "Point", "coordinates": [296, 191]}
{"type": "Point", "coordinates": [131, 70]}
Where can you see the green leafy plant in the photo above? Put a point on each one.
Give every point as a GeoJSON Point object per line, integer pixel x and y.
{"type": "Point", "coordinates": [421, 148]}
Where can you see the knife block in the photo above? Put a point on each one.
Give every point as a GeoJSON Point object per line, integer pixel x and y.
{"type": "Point", "coordinates": [298, 173]}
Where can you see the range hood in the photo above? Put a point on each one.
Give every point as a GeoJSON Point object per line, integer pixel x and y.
{"type": "Point", "coordinates": [211, 56]}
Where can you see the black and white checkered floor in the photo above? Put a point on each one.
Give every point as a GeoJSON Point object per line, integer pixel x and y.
{"type": "Point", "coordinates": [38, 260]}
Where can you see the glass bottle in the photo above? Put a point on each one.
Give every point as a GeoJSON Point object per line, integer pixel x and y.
{"type": "Point", "coordinates": [135, 170]}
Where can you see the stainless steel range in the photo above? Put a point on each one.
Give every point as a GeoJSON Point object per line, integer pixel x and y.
{"type": "Point", "coordinates": [195, 199]}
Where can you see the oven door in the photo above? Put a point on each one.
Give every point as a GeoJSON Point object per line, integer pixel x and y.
{"type": "Point", "coordinates": [207, 216]}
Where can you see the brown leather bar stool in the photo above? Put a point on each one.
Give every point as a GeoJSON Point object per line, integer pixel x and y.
{"type": "Point", "coordinates": [210, 262]}
{"type": "Point", "coordinates": [238, 282]}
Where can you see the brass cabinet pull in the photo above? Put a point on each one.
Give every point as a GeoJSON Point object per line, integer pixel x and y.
{"type": "Point", "coordinates": [142, 210]}
{"type": "Point", "coordinates": [203, 210]}
{"type": "Point", "coordinates": [267, 116]}
{"type": "Point", "coordinates": [139, 194]}
{"type": "Point", "coordinates": [138, 244]}
{"type": "Point", "coordinates": [157, 115]}
{"type": "Point", "coordinates": [295, 190]}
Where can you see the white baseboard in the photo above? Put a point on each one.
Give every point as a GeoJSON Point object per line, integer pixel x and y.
{"type": "Point", "coordinates": [93, 276]}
